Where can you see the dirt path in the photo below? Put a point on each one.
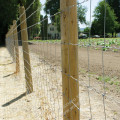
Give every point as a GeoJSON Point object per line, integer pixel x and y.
{"type": "Point", "coordinates": [46, 100]}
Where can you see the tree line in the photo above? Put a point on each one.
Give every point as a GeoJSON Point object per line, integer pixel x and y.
{"type": "Point", "coordinates": [111, 19]}
{"type": "Point", "coordinates": [10, 11]}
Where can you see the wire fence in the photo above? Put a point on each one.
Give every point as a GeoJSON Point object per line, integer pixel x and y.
{"type": "Point", "coordinates": [71, 78]}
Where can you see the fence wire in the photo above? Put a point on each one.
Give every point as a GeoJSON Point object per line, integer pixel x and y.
{"type": "Point", "coordinates": [99, 77]}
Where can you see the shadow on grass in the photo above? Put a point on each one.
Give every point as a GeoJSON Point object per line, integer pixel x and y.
{"type": "Point", "coordinates": [14, 100]}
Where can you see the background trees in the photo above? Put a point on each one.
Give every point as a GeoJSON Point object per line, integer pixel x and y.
{"type": "Point", "coordinates": [53, 7]}
{"type": "Point", "coordinates": [44, 27]}
{"type": "Point", "coordinates": [81, 11]}
{"type": "Point", "coordinates": [8, 12]}
{"type": "Point", "coordinates": [32, 32]}
{"type": "Point", "coordinates": [115, 4]}
{"type": "Point", "coordinates": [98, 23]}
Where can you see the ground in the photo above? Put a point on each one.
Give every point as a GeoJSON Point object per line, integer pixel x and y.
{"type": "Point", "coordinates": [45, 103]}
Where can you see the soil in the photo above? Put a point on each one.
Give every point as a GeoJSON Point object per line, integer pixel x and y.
{"type": "Point", "coordinates": [45, 103]}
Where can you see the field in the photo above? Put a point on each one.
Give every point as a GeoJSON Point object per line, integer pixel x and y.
{"type": "Point", "coordinates": [99, 54]}
{"type": "Point", "coordinates": [110, 53]}
{"type": "Point", "coordinates": [46, 100]}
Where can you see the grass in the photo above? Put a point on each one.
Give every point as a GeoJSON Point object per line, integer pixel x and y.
{"type": "Point", "coordinates": [115, 50]}
{"type": "Point", "coordinates": [111, 81]}
{"type": "Point", "coordinates": [106, 79]}
{"type": "Point", "coordinates": [117, 83]}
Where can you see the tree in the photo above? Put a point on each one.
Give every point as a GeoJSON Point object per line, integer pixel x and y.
{"type": "Point", "coordinates": [35, 18]}
{"type": "Point", "coordinates": [8, 13]}
{"type": "Point", "coordinates": [98, 23]}
{"type": "Point", "coordinates": [94, 28]}
{"type": "Point", "coordinates": [115, 4]}
{"type": "Point", "coordinates": [53, 7]}
{"type": "Point", "coordinates": [81, 11]}
{"type": "Point", "coordinates": [87, 30]}
{"type": "Point", "coordinates": [44, 27]}
{"type": "Point", "coordinates": [57, 22]}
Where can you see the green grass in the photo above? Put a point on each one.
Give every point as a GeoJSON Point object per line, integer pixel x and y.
{"type": "Point", "coordinates": [106, 79]}
{"type": "Point", "coordinates": [115, 50]}
{"type": "Point", "coordinates": [117, 83]}
{"type": "Point", "coordinates": [111, 81]}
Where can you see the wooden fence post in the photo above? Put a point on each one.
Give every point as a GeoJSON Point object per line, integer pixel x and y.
{"type": "Point", "coordinates": [69, 38]}
{"type": "Point", "coordinates": [12, 45]}
{"type": "Point", "coordinates": [27, 65]}
{"type": "Point", "coordinates": [15, 36]}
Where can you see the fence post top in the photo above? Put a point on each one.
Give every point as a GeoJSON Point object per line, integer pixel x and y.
{"type": "Point", "coordinates": [22, 7]}
{"type": "Point", "coordinates": [14, 22]}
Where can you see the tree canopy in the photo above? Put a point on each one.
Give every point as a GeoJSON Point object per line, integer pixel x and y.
{"type": "Point", "coordinates": [9, 11]}
{"type": "Point", "coordinates": [81, 11]}
{"type": "Point", "coordinates": [98, 23]}
{"type": "Point", "coordinates": [115, 4]}
{"type": "Point", "coordinates": [53, 7]}
{"type": "Point", "coordinates": [35, 18]}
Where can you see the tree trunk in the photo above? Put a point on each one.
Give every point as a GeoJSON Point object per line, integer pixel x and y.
{"type": "Point", "coordinates": [115, 34]}
{"type": "Point", "coordinates": [112, 34]}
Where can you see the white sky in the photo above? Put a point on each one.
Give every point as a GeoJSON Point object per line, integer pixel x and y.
{"type": "Point", "coordinates": [86, 4]}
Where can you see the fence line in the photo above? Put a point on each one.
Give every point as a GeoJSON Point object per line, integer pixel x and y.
{"type": "Point", "coordinates": [63, 102]}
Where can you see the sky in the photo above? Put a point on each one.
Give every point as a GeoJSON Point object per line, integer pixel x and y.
{"type": "Point", "coordinates": [94, 3]}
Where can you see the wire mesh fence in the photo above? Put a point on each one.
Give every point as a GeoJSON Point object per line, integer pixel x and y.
{"type": "Point", "coordinates": [68, 78]}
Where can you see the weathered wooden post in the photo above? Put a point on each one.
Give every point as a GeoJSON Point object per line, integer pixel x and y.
{"type": "Point", "coordinates": [12, 45]}
{"type": "Point", "coordinates": [69, 37]}
{"type": "Point", "coordinates": [24, 36]}
{"type": "Point", "coordinates": [15, 36]}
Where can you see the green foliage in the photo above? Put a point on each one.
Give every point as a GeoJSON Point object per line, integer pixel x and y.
{"type": "Point", "coordinates": [81, 11]}
{"type": "Point", "coordinates": [44, 27]}
{"type": "Point", "coordinates": [86, 30]}
{"type": "Point", "coordinates": [35, 18]}
{"type": "Point", "coordinates": [106, 79]}
{"type": "Point", "coordinates": [98, 23]}
{"type": "Point", "coordinates": [8, 13]}
{"type": "Point", "coordinates": [57, 22]}
{"type": "Point", "coordinates": [52, 7]}
{"type": "Point", "coordinates": [115, 4]}
{"type": "Point", "coordinates": [117, 83]}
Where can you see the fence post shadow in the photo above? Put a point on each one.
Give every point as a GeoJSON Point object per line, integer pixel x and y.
{"type": "Point", "coordinates": [14, 100]}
